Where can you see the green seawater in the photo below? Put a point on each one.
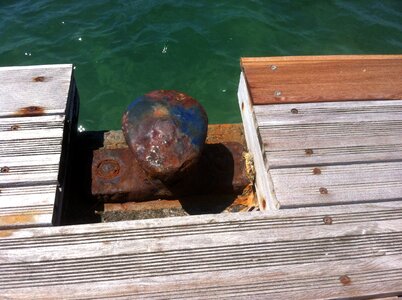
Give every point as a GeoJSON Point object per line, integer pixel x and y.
{"type": "Point", "coordinates": [123, 49]}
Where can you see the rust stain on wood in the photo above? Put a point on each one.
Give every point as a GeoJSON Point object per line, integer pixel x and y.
{"type": "Point", "coordinates": [30, 111]}
{"type": "Point", "coordinates": [323, 78]}
{"type": "Point", "coordinates": [39, 79]}
{"type": "Point", "coordinates": [16, 219]}
{"type": "Point", "coordinates": [6, 233]}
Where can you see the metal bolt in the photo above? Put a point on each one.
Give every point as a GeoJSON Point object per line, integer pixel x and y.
{"type": "Point", "coordinates": [5, 170]}
{"type": "Point", "coordinates": [316, 171]}
{"type": "Point", "coordinates": [323, 191]}
{"type": "Point", "coordinates": [294, 111]}
{"type": "Point", "coordinates": [277, 93]}
{"type": "Point", "coordinates": [274, 67]}
{"type": "Point", "coordinates": [327, 220]}
{"type": "Point", "coordinates": [108, 168]}
{"type": "Point", "coordinates": [345, 280]}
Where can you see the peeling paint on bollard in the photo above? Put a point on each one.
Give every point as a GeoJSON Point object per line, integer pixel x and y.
{"type": "Point", "coordinates": [166, 131]}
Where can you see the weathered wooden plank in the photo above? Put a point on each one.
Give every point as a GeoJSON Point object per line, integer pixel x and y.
{"type": "Point", "coordinates": [323, 78]}
{"type": "Point", "coordinates": [30, 129]}
{"type": "Point", "coordinates": [314, 133]}
{"type": "Point", "coordinates": [18, 124]}
{"type": "Point", "coordinates": [291, 254]}
{"type": "Point", "coordinates": [30, 195]}
{"type": "Point", "coordinates": [263, 183]}
{"type": "Point", "coordinates": [37, 113]}
{"type": "Point", "coordinates": [331, 185]}
{"type": "Point", "coordinates": [29, 147]}
{"type": "Point", "coordinates": [328, 112]}
{"type": "Point", "coordinates": [31, 169]}
{"type": "Point", "coordinates": [26, 206]}
{"type": "Point", "coordinates": [34, 90]}
{"type": "Point", "coordinates": [25, 216]}
{"type": "Point", "coordinates": [323, 135]}
{"type": "Point", "coordinates": [326, 143]}
{"type": "Point", "coordinates": [332, 155]}
{"type": "Point", "coordinates": [320, 281]}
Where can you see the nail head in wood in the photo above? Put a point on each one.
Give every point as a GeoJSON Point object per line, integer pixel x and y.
{"type": "Point", "coordinates": [323, 191]}
{"type": "Point", "coordinates": [316, 171]}
{"type": "Point", "coordinates": [5, 170]}
{"type": "Point", "coordinates": [345, 280]}
{"type": "Point", "coordinates": [309, 151]}
{"type": "Point", "coordinates": [327, 220]}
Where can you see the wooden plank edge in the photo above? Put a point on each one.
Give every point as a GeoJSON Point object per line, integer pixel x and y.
{"type": "Point", "coordinates": [303, 58]}
{"type": "Point", "coordinates": [33, 67]}
{"type": "Point", "coordinates": [364, 210]}
{"type": "Point", "coordinates": [264, 185]}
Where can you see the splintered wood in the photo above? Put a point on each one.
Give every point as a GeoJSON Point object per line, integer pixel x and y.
{"type": "Point", "coordinates": [36, 107]}
{"type": "Point", "coordinates": [314, 146]}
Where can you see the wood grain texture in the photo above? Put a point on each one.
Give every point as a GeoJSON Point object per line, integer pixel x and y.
{"type": "Point", "coordinates": [290, 254]}
{"type": "Point", "coordinates": [34, 90]}
{"type": "Point", "coordinates": [36, 104]}
{"type": "Point", "coordinates": [330, 133]}
{"type": "Point", "coordinates": [263, 183]}
{"type": "Point", "coordinates": [331, 185]}
{"type": "Point", "coordinates": [323, 78]}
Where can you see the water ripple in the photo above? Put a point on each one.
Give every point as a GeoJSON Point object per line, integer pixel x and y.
{"type": "Point", "coordinates": [123, 49]}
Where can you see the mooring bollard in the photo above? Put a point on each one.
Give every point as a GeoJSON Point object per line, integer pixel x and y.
{"type": "Point", "coordinates": [166, 131]}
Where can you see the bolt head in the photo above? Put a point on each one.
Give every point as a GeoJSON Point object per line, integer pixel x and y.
{"type": "Point", "coordinates": [345, 280]}
{"type": "Point", "coordinates": [327, 220]}
{"type": "Point", "coordinates": [323, 191]}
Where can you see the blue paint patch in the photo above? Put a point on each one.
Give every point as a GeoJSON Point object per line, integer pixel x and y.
{"type": "Point", "coordinates": [191, 122]}
{"type": "Point", "coordinates": [135, 102]}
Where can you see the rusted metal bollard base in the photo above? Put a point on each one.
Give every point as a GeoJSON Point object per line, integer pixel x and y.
{"type": "Point", "coordinates": [116, 177]}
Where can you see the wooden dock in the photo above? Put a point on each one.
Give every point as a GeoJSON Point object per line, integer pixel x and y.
{"type": "Point", "coordinates": [328, 185]}
{"type": "Point", "coordinates": [36, 110]}
{"type": "Point", "coordinates": [324, 130]}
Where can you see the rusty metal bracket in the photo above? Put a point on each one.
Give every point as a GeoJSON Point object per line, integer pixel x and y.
{"type": "Point", "coordinates": [117, 177]}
